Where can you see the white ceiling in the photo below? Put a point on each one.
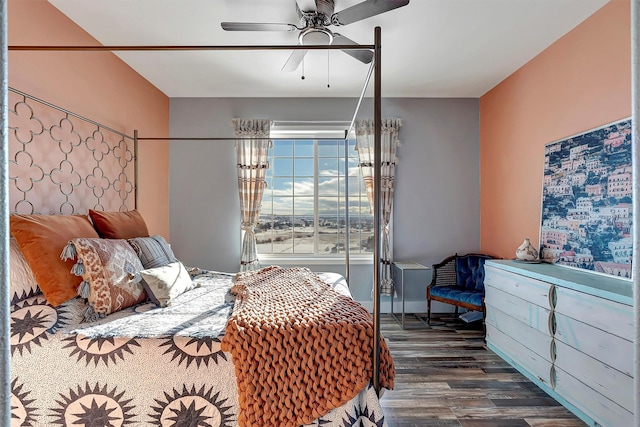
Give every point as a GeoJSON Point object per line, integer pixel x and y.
{"type": "Point", "coordinates": [430, 48]}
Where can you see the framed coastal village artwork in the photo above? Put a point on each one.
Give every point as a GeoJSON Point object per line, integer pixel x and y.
{"type": "Point", "coordinates": [587, 211]}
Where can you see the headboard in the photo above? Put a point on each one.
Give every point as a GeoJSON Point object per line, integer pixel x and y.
{"type": "Point", "coordinates": [63, 163]}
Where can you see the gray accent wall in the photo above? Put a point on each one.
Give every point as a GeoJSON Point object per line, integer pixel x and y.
{"type": "Point", "coordinates": [437, 195]}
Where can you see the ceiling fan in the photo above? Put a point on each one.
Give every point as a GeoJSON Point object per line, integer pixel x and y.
{"type": "Point", "coordinates": [315, 18]}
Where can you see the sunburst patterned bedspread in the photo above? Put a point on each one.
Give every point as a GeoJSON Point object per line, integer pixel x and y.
{"type": "Point", "coordinates": [144, 366]}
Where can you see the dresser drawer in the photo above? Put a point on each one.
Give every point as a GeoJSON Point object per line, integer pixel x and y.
{"type": "Point", "coordinates": [520, 355]}
{"type": "Point", "coordinates": [609, 316]}
{"type": "Point", "coordinates": [530, 314]}
{"type": "Point", "coordinates": [536, 341]}
{"type": "Point", "coordinates": [528, 289]}
{"type": "Point", "coordinates": [593, 404]}
{"type": "Point", "coordinates": [603, 346]}
{"type": "Point", "coordinates": [609, 382]}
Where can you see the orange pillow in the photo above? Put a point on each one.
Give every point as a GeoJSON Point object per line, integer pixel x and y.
{"type": "Point", "coordinates": [41, 239]}
{"type": "Point", "coordinates": [119, 225]}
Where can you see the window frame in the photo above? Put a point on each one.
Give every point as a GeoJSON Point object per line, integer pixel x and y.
{"type": "Point", "coordinates": [317, 257]}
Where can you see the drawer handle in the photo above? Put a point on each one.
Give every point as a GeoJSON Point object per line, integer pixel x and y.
{"type": "Point", "coordinates": [552, 351]}
{"type": "Point", "coordinates": [552, 377]}
{"type": "Point", "coordinates": [552, 323]}
{"type": "Point", "coordinates": [553, 297]}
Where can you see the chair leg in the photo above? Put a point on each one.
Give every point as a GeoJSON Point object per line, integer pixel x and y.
{"type": "Point", "coordinates": [429, 312]}
{"type": "Point", "coordinates": [456, 311]}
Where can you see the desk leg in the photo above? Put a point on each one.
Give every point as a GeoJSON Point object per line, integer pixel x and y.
{"type": "Point", "coordinates": [402, 298]}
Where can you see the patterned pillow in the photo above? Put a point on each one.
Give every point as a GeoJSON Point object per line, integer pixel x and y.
{"type": "Point", "coordinates": [153, 251]}
{"type": "Point", "coordinates": [119, 225]}
{"type": "Point", "coordinates": [23, 284]}
{"type": "Point", "coordinates": [109, 268]}
{"type": "Point", "coordinates": [165, 283]}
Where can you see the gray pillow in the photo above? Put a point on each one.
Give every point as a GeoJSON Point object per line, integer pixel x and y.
{"type": "Point", "coordinates": [153, 251]}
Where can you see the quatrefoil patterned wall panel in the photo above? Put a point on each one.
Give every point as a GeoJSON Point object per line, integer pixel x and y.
{"type": "Point", "coordinates": [60, 163]}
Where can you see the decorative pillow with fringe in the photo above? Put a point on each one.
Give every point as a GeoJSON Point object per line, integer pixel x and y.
{"type": "Point", "coordinates": [110, 271]}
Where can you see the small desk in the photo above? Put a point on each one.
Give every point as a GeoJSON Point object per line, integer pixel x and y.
{"type": "Point", "coordinates": [403, 266]}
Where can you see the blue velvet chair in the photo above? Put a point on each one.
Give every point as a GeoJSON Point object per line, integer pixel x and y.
{"type": "Point", "coordinates": [458, 280]}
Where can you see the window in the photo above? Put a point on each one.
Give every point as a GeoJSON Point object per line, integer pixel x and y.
{"type": "Point", "coordinates": [303, 206]}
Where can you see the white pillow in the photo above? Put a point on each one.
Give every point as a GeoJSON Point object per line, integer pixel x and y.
{"type": "Point", "coordinates": [22, 281]}
{"type": "Point", "coordinates": [167, 282]}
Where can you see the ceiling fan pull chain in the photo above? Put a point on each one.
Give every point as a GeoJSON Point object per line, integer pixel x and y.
{"type": "Point", "coordinates": [302, 69]}
{"type": "Point", "coordinates": [328, 54]}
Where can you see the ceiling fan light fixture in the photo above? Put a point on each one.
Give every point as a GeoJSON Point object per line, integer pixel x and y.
{"type": "Point", "coordinates": [315, 36]}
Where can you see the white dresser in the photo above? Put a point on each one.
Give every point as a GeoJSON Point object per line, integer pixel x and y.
{"type": "Point", "coordinates": [569, 331]}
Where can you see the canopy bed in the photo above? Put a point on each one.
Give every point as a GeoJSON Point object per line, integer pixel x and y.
{"type": "Point", "coordinates": [114, 354]}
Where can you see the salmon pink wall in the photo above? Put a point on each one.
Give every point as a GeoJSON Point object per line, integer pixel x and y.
{"type": "Point", "coordinates": [580, 82]}
{"type": "Point", "coordinates": [96, 85]}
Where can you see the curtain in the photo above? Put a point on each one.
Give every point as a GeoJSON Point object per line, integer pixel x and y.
{"type": "Point", "coordinates": [251, 155]}
{"type": "Point", "coordinates": [365, 146]}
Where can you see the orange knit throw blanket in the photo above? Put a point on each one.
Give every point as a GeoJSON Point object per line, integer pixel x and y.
{"type": "Point", "coordinates": [299, 348]}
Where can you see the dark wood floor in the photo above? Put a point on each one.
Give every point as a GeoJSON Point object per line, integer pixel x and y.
{"type": "Point", "coordinates": [446, 376]}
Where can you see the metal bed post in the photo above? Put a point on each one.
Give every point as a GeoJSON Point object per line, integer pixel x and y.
{"type": "Point", "coordinates": [346, 208]}
{"type": "Point", "coordinates": [135, 168]}
{"type": "Point", "coordinates": [635, 133]}
{"type": "Point", "coordinates": [377, 123]}
{"type": "Point", "coordinates": [5, 345]}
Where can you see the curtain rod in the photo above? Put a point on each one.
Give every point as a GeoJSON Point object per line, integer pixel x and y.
{"type": "Point", "coordinates": [193, 47]}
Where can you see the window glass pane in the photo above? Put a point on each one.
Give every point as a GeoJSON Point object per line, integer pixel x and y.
{"type": "Point", "coordinates": [282, 206]}
{"type": "Point", "coordinates": [328, 167]}
{"type": "Point", "coordinates": [365, 207]}
{"type": "Point", "coordinates": [265, 206]}
{"type": "Point", "coordinates": [303, 148]}
{"type": "Point", "coordinates": [327, 148]}
{"type": "Point", "coordinates": [269, 182]}
{"type": "Point", "coordinates": [282, 148]}
{"type": "Point", "coordinates": [352, 148]}
{"type": "Point", "coordinates": [282, 186]}
{"type": "Point", "coordinates": [303, 186]}
{"type": "Point", "coordinates": [303, 206]}
{"type": "Point", "coordinates": [328, 238]}
{"type": "Point", "coordinates": [328, 208]}
{"type": "Point", "coordinates": [303, 235]}
{"type": "Point", "coordinates": [283, 235]}
{"type": "Point", "coordinates": [283, 166]}
{"type": "Point", "coordinates": [304, 167]}
{"type": "Point", "coordinates": [328, 186]}
{"type": "Point", "coordinates": [354, 187]}
{"type": "Point", "coordinates": [264, 230]}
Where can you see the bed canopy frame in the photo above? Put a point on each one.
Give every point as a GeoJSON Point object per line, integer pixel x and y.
{"type": "Point", "coordinates": [375, 70]}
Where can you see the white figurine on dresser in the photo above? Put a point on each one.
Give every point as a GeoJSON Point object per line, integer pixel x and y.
{"type": "Point", "coordinates": [569, 331]}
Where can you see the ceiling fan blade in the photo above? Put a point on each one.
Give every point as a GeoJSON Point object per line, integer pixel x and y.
{"type": "Point", "coordinates": [307, 5]}
{"type": "Point", "coordinates": [255, 26]}
{"type": "Point", "coordinates": [366, 9]}
{"type": "Point", "coordinates": [365, 56]}
{"type": "Point", "coordinates": [294, 60]}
